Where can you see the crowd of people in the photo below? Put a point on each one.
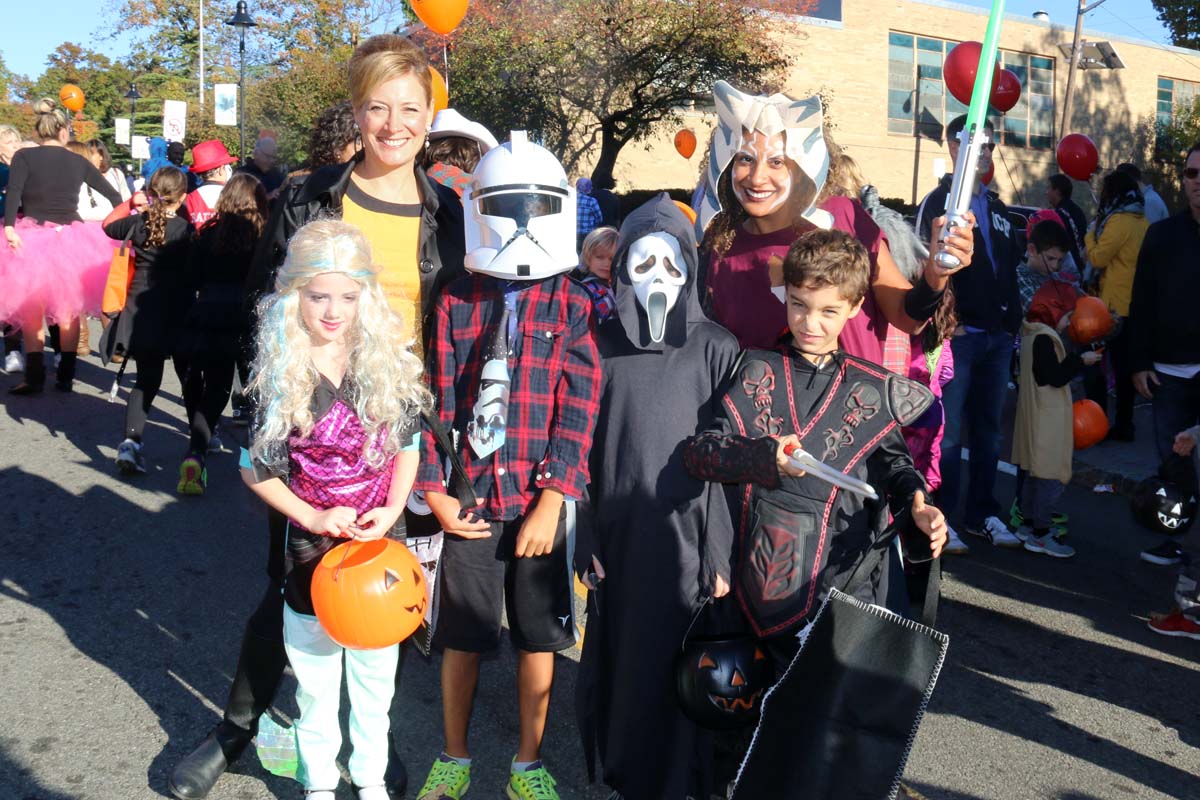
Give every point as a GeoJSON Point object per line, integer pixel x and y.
{"type": "Point", "coordinates": [627, 398]}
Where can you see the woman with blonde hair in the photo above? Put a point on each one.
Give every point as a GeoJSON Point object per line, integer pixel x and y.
{"type": "Point", "coordinates": [340, 395]}
{"type": "Point", "coordinates": [415, 229]}
{"type": "Point", "coordinates": [54, 266]}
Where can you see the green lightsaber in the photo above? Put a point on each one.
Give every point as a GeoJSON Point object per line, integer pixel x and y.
{"type": "Point", "coordinates": [973, 136]}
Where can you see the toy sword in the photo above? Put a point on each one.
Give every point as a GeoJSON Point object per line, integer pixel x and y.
{"type": "Point", "coordinates": [802, 459]}
{"type": "Point", "coordinates": [972, 138]}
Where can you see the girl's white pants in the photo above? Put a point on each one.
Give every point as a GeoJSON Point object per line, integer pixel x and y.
{"type": "Point", "coordinates": [370, 681]}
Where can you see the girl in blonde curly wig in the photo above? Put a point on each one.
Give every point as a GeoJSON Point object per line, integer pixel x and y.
{"type": "Point", "coordinates": [339, 394]}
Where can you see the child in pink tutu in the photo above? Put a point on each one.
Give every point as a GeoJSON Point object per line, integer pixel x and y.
{"type": "Point", "coordinates": [54, 266]}
{"type": "Point", "coordinates": [160, 298]}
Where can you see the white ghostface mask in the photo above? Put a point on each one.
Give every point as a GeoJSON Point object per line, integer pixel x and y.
{"type": "Point", "coordinates": [657, 271]}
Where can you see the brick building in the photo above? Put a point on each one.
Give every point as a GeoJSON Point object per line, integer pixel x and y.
{"type": "Point", "coordinates": [879, 64]}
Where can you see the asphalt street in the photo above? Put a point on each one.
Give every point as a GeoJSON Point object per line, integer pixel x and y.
{"type": "Point", "coordinates": [122, 606]}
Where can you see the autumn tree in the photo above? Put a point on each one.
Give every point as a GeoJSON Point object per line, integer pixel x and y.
{"type": "Point", "coordinates": [588, 74]}
{"type": "Point", "coordinates": [1182, 19]}
{"type": "Point", "coordinates": [12, 110]}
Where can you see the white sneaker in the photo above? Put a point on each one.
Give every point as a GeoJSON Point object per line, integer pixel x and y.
{"type": "Point", "coordinates": [955, 546]}
{"type": "Point", "coordinates": [129, 457]}
{"type": "Point", "coordinates": [14, 362]}
{"type": "Point", "coordinates": [1049, 545]}
{"type": "Point", "coordinates": [994, 530]}
{"type": "Point", "coordinates": [372, 793]}
{"type": "Point", "coordinates": [319, 794]}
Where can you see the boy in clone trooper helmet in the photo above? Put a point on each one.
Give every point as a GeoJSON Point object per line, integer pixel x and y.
{"type": "Point", "coordinates": [661, 537]}
{"type": "Point", "coordinates": [515, 371]}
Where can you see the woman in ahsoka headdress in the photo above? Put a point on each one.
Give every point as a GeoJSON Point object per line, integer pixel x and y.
{"type": "Point", "coordinates": [767, 166]}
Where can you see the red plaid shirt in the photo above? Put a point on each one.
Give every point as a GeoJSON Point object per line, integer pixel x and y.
{"type": "Point", "coordinates": [554, 396]}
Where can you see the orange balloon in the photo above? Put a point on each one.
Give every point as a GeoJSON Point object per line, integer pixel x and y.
{"type": "Point", "coordinates": [685, 143]}
{"type": "Point", "coordinates": [440, 16]}
{"type": "Point", "coordinates": [71, 97]}
{"type": "Point", "coordinates": [441, 94]}
{"type": "Point", "coordinates": [369, 595]}
{"type": "Point", "coordinates": [687, 210]}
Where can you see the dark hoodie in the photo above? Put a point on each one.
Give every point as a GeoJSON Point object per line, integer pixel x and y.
{"type": "Point", "coordinates": [662, 535]}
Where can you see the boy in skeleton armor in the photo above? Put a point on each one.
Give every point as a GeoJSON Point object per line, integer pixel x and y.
{"type": "Point", "coordinates": [800, 534]}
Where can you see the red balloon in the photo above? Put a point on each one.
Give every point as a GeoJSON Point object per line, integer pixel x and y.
{"type": "Point", "coordinates": [685, 143]}
{"type": "Point", "coordinates": [1090, 424]}
{"type": "Point", "coordinates": [1077, 156]}
{"type": "Point", "coordinates": [1007, 91]}
{"type": "Point", "coordinates": [991, 173]}
{"type": "Point", "coordinates": [962, 63]}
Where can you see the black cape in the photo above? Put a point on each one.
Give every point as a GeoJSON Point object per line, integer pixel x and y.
{"type": "Point", "coordinates": [661, 535]}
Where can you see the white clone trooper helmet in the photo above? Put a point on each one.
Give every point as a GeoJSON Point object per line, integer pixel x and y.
{"type": "Point", "coordinates": [657, 272]}
{"type": "Point", "coordinates": [520, 213]}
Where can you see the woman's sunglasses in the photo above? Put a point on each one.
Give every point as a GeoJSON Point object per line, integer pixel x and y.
{"type": "Point", "coordinates": [1191, 173]}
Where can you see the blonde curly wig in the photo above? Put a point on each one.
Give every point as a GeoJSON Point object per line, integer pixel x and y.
{"type": "Point", "coordinates": [383, 380]}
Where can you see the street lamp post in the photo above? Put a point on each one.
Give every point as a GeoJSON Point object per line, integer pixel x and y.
{"type": "Point", "coordinates": [242, 20]}
{"type": "Point", "coordinates": [133, 95]}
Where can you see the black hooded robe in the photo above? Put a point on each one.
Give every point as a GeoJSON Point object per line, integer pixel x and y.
{"type": "Point", "coordinates": [661, 535]}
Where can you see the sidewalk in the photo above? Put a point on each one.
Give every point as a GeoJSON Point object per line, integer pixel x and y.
{"type": "Point", "coordinates": [1121, 464]}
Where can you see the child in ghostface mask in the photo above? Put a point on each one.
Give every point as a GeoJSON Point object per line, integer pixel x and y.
{"type": "Point", "coordinates": [514, 367]}
{"type": "Point", "coordinates": [661, 537]}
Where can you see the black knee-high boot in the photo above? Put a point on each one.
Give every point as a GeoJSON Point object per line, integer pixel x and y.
{"type": "Point", "coordinates": [65, 379]}
{"type": "Point", "coordinates": [35, 375]}
{"type": "Point", "coordinates": [259, 671]}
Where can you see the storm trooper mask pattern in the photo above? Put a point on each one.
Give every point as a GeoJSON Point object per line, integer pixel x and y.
{"type": "Point", "coordinates": [520, 214]}
{"type": "Point", "coordinates": [658, 272]}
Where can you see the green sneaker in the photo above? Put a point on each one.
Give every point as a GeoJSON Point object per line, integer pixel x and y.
{"type": "Point", "coordinates": [193, 476]}
{"type": "Point", "coordinates": [447, 778]}
{"type": "Point", "coordinates": [534, 783]}
{"type": "Point", "coordinates": [1016, 518]}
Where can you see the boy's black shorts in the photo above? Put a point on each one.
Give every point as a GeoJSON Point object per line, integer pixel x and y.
{"type": "Point", "coordinates": [481, 577]}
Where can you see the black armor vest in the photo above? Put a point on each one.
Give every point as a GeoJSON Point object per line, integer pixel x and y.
{"type": "Point", "coordinates": [785, 535]}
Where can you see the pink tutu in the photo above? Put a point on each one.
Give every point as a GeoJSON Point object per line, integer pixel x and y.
{"type": "Point", "coordinates": [61, 268]}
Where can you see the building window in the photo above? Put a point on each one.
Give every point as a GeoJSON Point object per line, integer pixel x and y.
{"type": "Point", "coordinates": [1175, 97]}
{"type": "Point", "coordinates": [918, 103]}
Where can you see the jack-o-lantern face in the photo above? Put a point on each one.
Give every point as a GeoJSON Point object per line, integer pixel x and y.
{"type": "Point", "coordinates": [369, 595]}
{"type": "Point", "coordinates": [721, 682]}
{"type": "Point", "coordinates": [1163, 506]}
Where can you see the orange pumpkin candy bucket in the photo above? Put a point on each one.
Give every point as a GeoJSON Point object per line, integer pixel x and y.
{"type": "Point", "coordinates": [369, 595]}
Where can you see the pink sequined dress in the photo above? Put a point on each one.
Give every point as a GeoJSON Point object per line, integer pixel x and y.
{"type": "Point", "coordinates": [924, 437]}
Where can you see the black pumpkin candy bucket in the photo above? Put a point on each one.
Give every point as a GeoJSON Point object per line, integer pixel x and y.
{"type": "Point", "coordinates": [720, 679]}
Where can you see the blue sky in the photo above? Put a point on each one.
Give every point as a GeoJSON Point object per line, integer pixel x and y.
{"type": "Point", "coordinates": [29, 37]}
